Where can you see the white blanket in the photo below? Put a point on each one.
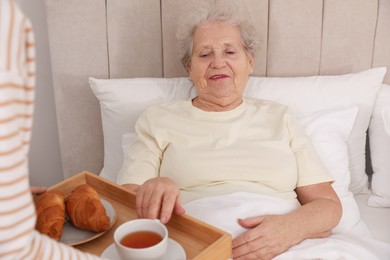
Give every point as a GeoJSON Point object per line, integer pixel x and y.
{"type": "Point", "coordinates": [223, 212]}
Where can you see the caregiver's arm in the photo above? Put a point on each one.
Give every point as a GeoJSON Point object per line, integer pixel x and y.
{"type": "Point", "coordinates": [270, 235]}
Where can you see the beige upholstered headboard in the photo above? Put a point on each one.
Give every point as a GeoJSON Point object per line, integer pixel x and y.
{"type": "Point", "coordinates": [136, 38]}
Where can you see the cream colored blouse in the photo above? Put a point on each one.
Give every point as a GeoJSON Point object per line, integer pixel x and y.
{"type": "Point", "coordinates": [257, 147]}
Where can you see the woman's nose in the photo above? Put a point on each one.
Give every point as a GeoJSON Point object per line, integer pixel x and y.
{"type": "Point", "coordinates": [218, 62]}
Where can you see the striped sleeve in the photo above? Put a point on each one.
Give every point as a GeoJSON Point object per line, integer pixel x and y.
{"type": "Point", "coordinates": [18, 238]}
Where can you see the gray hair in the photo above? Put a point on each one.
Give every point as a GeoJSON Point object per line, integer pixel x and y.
{"type": "Point", "coordinates": [210, 11]}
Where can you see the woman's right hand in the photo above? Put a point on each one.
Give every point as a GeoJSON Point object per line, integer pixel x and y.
{"type": "Point", "coordinates": [158, 198]}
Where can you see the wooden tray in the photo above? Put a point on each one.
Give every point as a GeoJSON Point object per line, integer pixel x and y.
{"type": "Point", "coordinates": [199, 240]}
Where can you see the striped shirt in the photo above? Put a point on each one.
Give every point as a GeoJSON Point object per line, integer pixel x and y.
{"type": "Point", "coordinates": [18, 238]}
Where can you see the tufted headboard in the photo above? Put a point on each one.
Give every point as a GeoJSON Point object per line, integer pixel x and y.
{"type": "Point", "coordinates": [136, 38]}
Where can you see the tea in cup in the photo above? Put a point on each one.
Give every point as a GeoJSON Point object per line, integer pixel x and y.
{"type": "Point", "coordinates": [141, 239]}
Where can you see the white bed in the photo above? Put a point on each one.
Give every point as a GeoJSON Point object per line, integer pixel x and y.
{"type": "Point", "coordinates": [307, 39]}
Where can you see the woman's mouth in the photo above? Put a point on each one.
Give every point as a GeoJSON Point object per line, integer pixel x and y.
{"type": "Point", "coordinates": [218, 76]}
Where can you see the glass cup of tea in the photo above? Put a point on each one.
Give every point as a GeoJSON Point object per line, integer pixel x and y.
{"type": "Point", "coordinates": [143, 239]}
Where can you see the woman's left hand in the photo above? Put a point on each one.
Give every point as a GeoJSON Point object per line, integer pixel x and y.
{"type": "Point", "coordinates": [266, 237]}
{"type": "Point", "coordinates": [271, 235]}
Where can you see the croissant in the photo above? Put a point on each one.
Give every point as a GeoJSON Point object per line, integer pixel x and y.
{"type": "Point", "coordinates": [50, 208]}
{"type": "Point", "coordinates": [85, 209]}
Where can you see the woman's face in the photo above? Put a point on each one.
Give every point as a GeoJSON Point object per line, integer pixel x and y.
{"type": "Point", "coordinates": [219, 65]}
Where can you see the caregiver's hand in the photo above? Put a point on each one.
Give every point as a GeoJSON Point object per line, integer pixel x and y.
{"type": "Point", "coordinates": [37, 190]}
{"type": "Point", "coordinates": [267, 237]}
{"type": "Point", "coordinates": [158, 196]}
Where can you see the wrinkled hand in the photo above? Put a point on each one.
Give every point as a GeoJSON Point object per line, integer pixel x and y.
{"type": "Point", "coordinates": [36, 190]}
{"type": "Point", "coordinates": [158, 197]}
{"type": "Point", "coordinates": [267, 237]}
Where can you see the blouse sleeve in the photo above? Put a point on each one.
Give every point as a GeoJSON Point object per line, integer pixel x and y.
{"type": "Point", "coordinates": [311, 168]}
{"type": "Point", "coordinates": [144, 156]}
{"type": "Point", "coordinates": [18, 239]}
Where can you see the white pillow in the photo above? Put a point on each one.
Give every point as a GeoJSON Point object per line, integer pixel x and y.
{"type": "Point", "coordinates": [379, 139]}
{"type": "Point", "coordinates": [122, 101]}
{"type": "Point", "coordinates": [127, 142]}
{"type": "Point", "coordinates": [386, 118]}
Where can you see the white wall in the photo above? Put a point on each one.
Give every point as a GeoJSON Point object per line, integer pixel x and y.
{"type": "Point", "coordinates": [45, 160]}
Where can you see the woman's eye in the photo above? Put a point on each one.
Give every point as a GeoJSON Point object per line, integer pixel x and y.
{"type": "Point", "coordinates": [203, 55]}
{"type": "Point", "coordinates": [230, 52]}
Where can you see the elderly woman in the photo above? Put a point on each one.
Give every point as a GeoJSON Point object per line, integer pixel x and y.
{"type": "Point", "coordinates": [220, 142]}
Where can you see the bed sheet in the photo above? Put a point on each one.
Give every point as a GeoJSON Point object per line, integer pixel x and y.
{"type": "Point", "coordinates": [223, 211]}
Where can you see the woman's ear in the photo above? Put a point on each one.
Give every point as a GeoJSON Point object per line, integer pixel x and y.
{"type": "Point", "coordinates": [188, 67]}
{"type": "Point", "coordinates": [251, 63]}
